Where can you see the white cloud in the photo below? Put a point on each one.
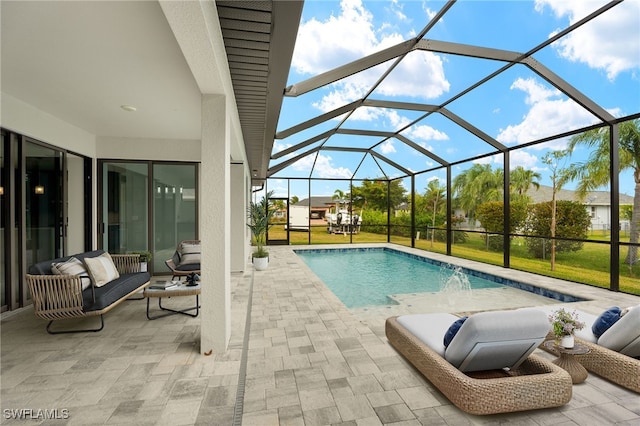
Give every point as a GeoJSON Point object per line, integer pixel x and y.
{"type": "Point", "coordinates": [421, 133]}
{"type": "Point", "coordinates": [428, 11]}
{"type": "Point", "coordinates": [610, 42]}
{"type": "Point", "coordinates": [397, 9]}
{"type": "Point", "coordinates": [419, 75]}
{"type": "Point", "coordinates": [338, 40]}
{"type": "Point", "coordinates": [280, 146]}
{"type": "Point", "coordinates": [522, 158]}
{"type": "Point", "coordinates": [548, 115]}
{"type": "Point", "coordinates": [396, 120]}
{"type": "Point", "coordinates": [516, 158]}
{"type": "Point", "coordinates": [387, 147]}
{"type": "Point", "coordinates": [323, 167]}
{"type": "Point", "coordinates": [321, 46]}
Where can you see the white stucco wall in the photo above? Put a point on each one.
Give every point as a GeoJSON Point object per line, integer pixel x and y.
{"type": "Point", "coordinates": [148, 149]}
{"type": "Point", "coordinates": [28, 120]}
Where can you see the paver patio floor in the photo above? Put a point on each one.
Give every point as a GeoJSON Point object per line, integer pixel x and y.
{"type": "Point", "coordinates": [308, 360]}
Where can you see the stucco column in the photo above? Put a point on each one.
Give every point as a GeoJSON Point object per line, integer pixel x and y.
{"type": "Point", "coordinates": [239, 217]}
{"type": "Point", "coordinates": [215, 218]}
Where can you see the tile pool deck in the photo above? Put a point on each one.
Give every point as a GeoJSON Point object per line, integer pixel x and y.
{"type": "Point", "coordinates": [308, 360]}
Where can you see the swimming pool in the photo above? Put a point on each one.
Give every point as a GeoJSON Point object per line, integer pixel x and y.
{"type": "Point", "coordinates": [368, 276]}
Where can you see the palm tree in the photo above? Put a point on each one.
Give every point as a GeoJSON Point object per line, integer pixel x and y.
{"type": "Point", "coordinates": [434, 196]}
{"type": "Point", "coordinates": [594, 173]}
{"type": "Point", "coordinates": [521, 179]}
{"type": "Point", "coordinates": [339, 196]}
{"type": "Point", "coordinates": [295, 200]}
{"type": "Point", "coordinates": [477, 185]}
{"type": "Point", "coordinates": [259, 215]}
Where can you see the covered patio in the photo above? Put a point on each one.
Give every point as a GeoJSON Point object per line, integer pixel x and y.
{"type": "Point", "coordinates": [297, 356]}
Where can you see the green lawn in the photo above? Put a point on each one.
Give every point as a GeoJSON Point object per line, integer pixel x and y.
{"type": "Point", "coordinates": [589, 265]}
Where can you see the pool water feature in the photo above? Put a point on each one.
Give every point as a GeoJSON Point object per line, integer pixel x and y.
{"type": "Point", "coordinates": [455, 281]}
{"type": "Point", "coordinates": [362, 277]}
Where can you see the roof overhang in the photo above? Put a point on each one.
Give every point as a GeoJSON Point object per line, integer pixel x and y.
{"type": "Point", "coordinates": [259, 38]}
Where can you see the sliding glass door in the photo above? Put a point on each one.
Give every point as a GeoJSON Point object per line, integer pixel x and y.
{"type": "Point", "coordinates": [147, 206]}
{"type": "Point", "coordinates": [44, 210]}
{"type": "Point", "coordinates": [125, 207]}
{"type": "Point", "coordinates": [174, 209]}
{"type": "Point", "coordinates": [44, 221]}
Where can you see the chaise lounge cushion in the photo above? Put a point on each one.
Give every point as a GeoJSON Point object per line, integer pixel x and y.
{"type": "Point", "coordinates": [624, 335]}
{"type": "Point", "coordinates": [496, 340]}
{"type": "Point", "coordinates": [429, 328]}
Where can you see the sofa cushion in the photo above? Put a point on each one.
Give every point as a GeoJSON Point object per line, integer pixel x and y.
{"type": "Point", "coordinates": [113, 290]}
{"type": "Point", "coordinates": [44, 268]}
{"type": "Point", "coordinates": [188, 267]}
{"type": "Point", "coordinates": [189, 254]}
{"type": "Point", "coordinates": [453, 330]}
{"type": "Point", "coordinates": [624, 335]}
{"type": "Point", "coordinates": [101, 269]}
{"type": "Point", "coordinates": [606, 320]}
{"type": "Point", "coordinates": [72, 266]}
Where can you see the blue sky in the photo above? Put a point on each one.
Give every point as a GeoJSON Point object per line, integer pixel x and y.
{"type": "Point", "coordinates": [601, 59]}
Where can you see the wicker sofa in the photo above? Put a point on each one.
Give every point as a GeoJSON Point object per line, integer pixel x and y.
{"type": "Point", "coordinates": [532, 382]}
{"type": "Point", "coordinates": [59, 297]}
{"type": "Point", "coordinates": [615, 355]}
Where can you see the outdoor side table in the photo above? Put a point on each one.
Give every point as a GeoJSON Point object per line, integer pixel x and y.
{"type": "Point", "coordinates": [177, 291]}
{"type": "Point", "coordinates": [567, 361]}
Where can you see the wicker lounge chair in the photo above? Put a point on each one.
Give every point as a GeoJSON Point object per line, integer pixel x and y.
{"type": "Point", "coordinates": [181, 267]}
{"type": "Point", "coordinates": [532, 383]}
{"type": "Point", "coordinates": [615, 356]}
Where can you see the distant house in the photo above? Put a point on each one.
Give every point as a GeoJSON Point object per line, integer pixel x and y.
{"type": "Point", "coordinates": [320, 205]}
{"type": "Point", "coordinates": [597, 204]}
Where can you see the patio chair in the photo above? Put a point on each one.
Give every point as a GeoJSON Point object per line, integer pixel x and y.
{"type": "Point", "coordinates": [488, 367]}
{"type": "Point", "coordinates": [185, 260]}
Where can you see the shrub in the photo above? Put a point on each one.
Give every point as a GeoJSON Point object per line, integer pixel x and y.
{"type": "Point", "coordinates": [572, 221]}
{"type": "Point", "coordinates": [491, 217]}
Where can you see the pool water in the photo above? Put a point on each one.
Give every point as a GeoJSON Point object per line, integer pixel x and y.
{"type": "Point", "coordinates": [366, 277]}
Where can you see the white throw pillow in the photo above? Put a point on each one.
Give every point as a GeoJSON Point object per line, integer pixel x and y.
{"type": "Point", "coordinates": [101, 269]}
{"type": "Point", "coordinates": [72, 266]}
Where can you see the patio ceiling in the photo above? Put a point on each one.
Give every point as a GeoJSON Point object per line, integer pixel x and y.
{"type": "Point", "coordinates": [80, 61]}
{"type": "Point", "coordinates": [336, 131]}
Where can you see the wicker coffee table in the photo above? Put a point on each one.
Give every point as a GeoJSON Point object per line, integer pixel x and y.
{"type": "Point", "coordinates": [568, 362]}
{"type": "Point", "coordinates": [178, 291]}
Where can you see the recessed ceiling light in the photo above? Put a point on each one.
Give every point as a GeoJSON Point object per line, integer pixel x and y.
{"type": "Point", "coordinates": [128, 108]}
